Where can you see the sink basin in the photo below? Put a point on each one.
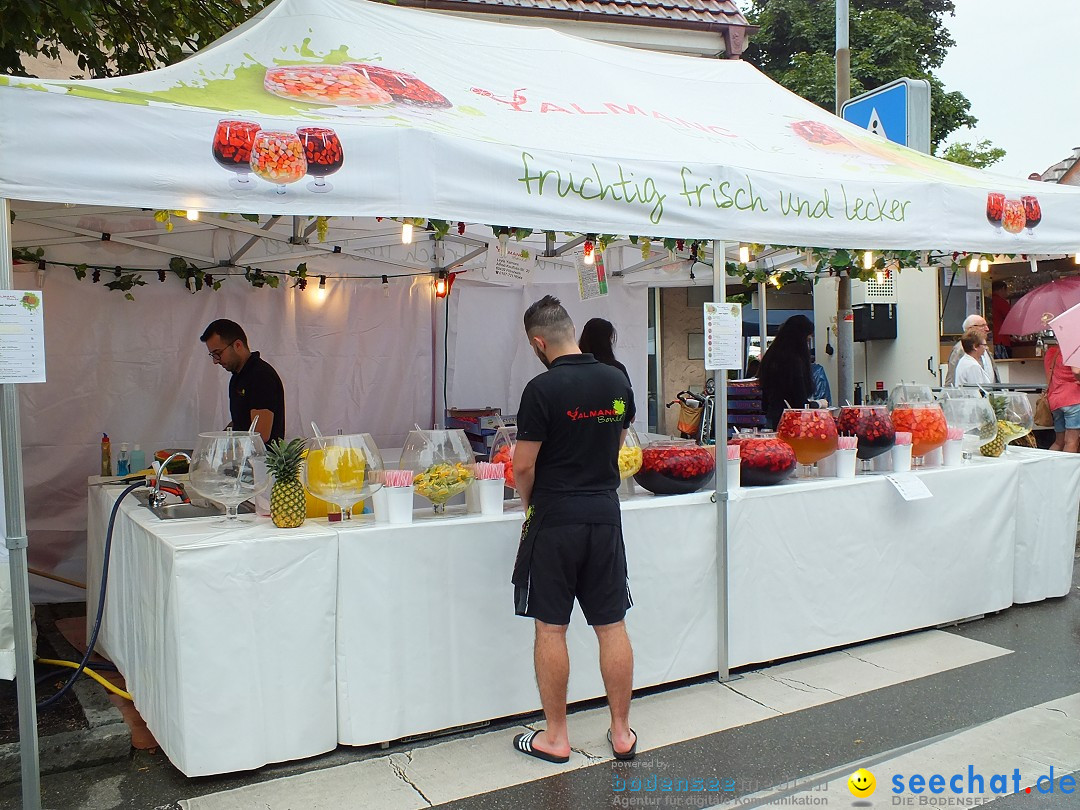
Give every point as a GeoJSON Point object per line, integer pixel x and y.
{"type": "Point", "coordinates": [198, 508]}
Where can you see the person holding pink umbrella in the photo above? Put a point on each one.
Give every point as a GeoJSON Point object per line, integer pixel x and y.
{"type": "Point", "coordinates": [1063, 397]}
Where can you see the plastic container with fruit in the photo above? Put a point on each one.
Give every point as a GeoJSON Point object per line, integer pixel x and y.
{"type": "Point", "coordinates": [442, 463]}
{"type": "Point", "coordinates": [675, 467]}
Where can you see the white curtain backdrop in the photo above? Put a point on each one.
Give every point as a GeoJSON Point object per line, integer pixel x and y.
{"type": "Point", "coordinates": [491, 361]}
{"type": "Point", "coordinates": [352, 361]}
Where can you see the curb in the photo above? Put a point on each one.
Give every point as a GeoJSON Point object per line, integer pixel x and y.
{"type": "Point", "coordinates": [106, 740]}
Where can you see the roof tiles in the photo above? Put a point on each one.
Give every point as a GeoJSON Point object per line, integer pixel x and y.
{"type": "Point", "coordinates": [699, 12]}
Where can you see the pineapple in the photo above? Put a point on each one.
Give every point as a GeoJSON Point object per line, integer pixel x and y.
{"type": "Point", "coordinates": [287, 505]}
{"type": "Point", "coordinates": [1006, 430]}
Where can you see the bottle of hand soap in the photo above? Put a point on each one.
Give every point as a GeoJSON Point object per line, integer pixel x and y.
{"type": "Point", "coordinates": [123, 460]}
{"type": "Point", "coordinates": [138, 459]}
{"type": "Point", "coordinates": [106, 455]}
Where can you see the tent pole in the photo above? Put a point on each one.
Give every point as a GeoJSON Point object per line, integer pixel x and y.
{"type": "Point", "coordinates": [720, 417]}
{"type": "Point", "coordinates": [15, 515]}
{"type": "Point", "coordinates": [763, 318]}
{"type": "Point", "coordinates": [845, 324]}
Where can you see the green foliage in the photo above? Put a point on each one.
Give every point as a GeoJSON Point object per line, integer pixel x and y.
{"type": "Point", "coordinates": [110, 38]}
{"type": "Point", "coordinates": [980, 155]}
{"type": "Point", "coordinates": [890, 39]}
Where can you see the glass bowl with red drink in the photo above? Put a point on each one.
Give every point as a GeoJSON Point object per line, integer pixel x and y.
{"type": "Point", "coordinates": [873, 427]}
{"type": "Point", "coordinates": [811, 432]}
{"type": "Point", "coordinates": [764, 459]}
{"type": "Point", "coordinates": [675, 467]}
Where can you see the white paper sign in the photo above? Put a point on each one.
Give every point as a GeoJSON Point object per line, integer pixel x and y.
{"type": "Point", "coordinates": [592, 278]}
{"type": "Point", "coordinates": [516, 265]}
{"type": "Point", "coordinates": [910, 486]}
{"type": "Point", "coordinates": [723, 336]}
{"type": "Point", "coordinates": [22, 336]}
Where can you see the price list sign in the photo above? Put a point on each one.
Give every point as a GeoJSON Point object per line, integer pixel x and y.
{"type": "Point", "coordinates": [22, 336]}
{"type": "Point", "coordinates": [723, 336]}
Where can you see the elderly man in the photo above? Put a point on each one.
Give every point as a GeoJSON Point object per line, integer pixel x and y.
{"type": "Point", "coordinates": [972, 323]}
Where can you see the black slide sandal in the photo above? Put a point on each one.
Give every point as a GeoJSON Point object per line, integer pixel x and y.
{"type": "Point", "coordinates": [523, 743]}
{"type": "Point", "coordinates": [624, 756]}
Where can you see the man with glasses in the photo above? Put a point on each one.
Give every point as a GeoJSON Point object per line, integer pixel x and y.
{"type": "Point", "coordinates": [255, 389]}
{"type": "Point", "coordinates": [976, 323]}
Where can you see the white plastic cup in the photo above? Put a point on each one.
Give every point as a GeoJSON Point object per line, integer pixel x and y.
{"type": "Point", "coordinates": [379, 504]}
{"type": "Point", "coordinates": [472, 498]}
{"type": "Point", "coordinates": [399, 503]}
{"type": "Point", "coordinates": [489, 494]}
{"type": "Point", "coordinates": [901, 458]}
{"type": "Point", "coordinates": [734, 474]}
{"type": "Point", "coordinates": [952, 453]}
{"type": "Point", "coordinates": [827, 466]}
{"type": "Point", "coordinates": [933, 458]}
{"type": "Point", "coordinates": [846, 461]}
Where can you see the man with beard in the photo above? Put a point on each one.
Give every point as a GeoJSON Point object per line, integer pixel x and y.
{"type": "Point", "coordinates": [255, 389]}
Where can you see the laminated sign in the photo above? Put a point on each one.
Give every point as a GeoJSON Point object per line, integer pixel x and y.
{"type": "Point", "coordinates": [22, 336]}
{"type": "Point", "coordinates": [515, 265]}
{"type": "Point", "coordinates": [723, 336]}
{"type": "Point", "coordinates": [592, 278]}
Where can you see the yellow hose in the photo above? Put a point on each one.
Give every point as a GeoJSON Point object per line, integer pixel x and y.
{"type": "Point", "coordinates": [39, 573]}
{"type": "Point", "coordinates": [116, 690]}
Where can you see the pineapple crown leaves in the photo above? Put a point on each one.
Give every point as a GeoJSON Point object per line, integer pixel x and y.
{"type": "Point", "coordinates": [283, 458]}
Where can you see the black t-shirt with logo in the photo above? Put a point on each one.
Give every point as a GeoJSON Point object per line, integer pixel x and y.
{"type": "Point", "coordinates": [578, 409]}
{"type": "Point", "coordinates": [257, 387]}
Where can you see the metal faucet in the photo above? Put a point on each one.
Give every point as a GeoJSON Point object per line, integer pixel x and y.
{"type": "Point", "coordinates": [157, 497]}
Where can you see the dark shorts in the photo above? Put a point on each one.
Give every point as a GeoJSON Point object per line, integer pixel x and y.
{"type": "Point", "coordinates": [583, 561]}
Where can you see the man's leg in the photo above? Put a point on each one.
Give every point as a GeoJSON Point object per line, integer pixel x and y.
{"type": "Point", "coordinates": [552, 663]}
{"type": "Point", "coordinates": [1072, 440]}
{"type": "Point", "coordinates": [1059, 441]}
{"type": "Point", "coordinates": [617, 667]}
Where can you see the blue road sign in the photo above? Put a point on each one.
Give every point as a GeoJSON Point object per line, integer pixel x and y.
{"type": "Point", "coordinates": [898, 111]}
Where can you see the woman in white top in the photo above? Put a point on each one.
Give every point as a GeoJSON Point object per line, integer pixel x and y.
{"type": "Point", "coordinates": [969, 369]}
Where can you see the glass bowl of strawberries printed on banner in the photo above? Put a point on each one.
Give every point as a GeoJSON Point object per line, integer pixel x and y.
{"type": "Point", "coordinates": [811, 432]}
{"type": "Point", "coordinates": [872, 426]}
{"type": "Point", "coordinates": [675, 467]}
{"type": "Point", "coordinates": [764, 459]}
{"type": "Point", "coordinates": [502, 451]}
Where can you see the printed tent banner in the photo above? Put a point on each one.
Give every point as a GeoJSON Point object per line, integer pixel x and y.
{"type": "Point", "coordinates": [344, 107]}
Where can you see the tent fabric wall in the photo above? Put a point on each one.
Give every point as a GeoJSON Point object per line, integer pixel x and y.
{"type": "Point", "coordinates": [357, 361]}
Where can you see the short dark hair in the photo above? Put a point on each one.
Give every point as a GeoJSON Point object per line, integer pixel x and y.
{"type": "Point", "coordinates": [228, 331]}
{"type": "Point", "coordinates": [998, 285]}
{"type": "Point", "coordinates": [970, 340]}
{"type": "Point", "coordinates": [549, 319]}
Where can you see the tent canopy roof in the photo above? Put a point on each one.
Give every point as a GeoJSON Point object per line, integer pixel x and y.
{"type": "Point", "coordinates": [414, 114]}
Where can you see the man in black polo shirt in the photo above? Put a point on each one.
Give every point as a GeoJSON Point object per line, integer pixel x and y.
{"type": "Point", "coordinates": [571, 424]}
{"type": "Point", "coordinates": [255, 388]}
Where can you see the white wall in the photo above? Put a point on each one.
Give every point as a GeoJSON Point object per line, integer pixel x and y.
{"type": "Point", "coordinates": [888, 361]}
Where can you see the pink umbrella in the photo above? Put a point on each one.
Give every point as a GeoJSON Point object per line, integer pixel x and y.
{"type": "Point", "coordinates": [1066, 328]}
{"type": "Point", "coordinates": [1032, 312]}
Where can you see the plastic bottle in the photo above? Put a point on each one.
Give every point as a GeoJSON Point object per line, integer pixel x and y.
{"type": "Point", "coordinates": [106, 455]}
{"type": "Point", "coordinates": [138, 459]}
{"type": "Point", "coordinates": [123, 460]}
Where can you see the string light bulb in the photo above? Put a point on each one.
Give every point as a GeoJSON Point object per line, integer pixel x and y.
{"type": "Point", "coordinates": [590, 252]}
{"type": "Point", "coordinates": [744, 254]}
{"type": "Point", "coordinates": [192, 215]}
{"type": "Point", "coordinates": [504, 238]}
{"type": "Point", "coordinates": [406, 233]}
{"type": "Point", "coordinates": [973, 265]}
{"type": "Point", "coordinates": [441, 285]}
{"type": "Point", "coordinates": [984, 266]}
{"type": "Point", "coordinates": [880, 276]}
{"type": "Point", "coordinates": [320, 293]}
{"type": "Point", "coordinates": [868, 260]}
{"type": "Point", "coordinates": [385, 287]}
{"type": "Point", "coordinates": [322, 283]}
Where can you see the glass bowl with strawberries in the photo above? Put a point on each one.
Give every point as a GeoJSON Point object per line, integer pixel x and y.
{"type": "Point", "coordinates": [502, 451]}
{"type": "Point", "coordinates": [872, 425]}
{"type": "Point", "coordinates": [675, 467]}
{"type": "Point", "coordinates": [764, 459]}
{"type": "Point", "coordinates": [925, 421]}
{"type": "Point", "coordinates": [812, 434]}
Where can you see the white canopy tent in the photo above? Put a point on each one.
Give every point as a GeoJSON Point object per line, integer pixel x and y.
{"type": "Point", "coordinates": [432, 116]}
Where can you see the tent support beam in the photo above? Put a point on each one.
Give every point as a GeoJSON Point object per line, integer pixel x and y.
{"type": "Point", "coordinates": [720, 496]}
{"type": "Point", "coordinates": [250, 243]}
{"type": "Point", "coordinates": [16, 541]}
{"type": "Point", "coordinates": [468, 257]}
{"type": "Point", "coordinates": [120, 240]}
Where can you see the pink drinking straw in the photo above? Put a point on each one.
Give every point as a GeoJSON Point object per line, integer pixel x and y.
{"type": "Point", "coordinates": [847, 442]}
{"type": "Point", "coordinates": [902, 438]}
{"type": "Point", "coordinates": [955, 434]}
{"type": "Point", "coordinates": [734, 452]}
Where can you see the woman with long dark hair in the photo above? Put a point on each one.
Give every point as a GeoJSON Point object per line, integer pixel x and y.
{"type": "Point", "coordinates": [598, 338]}
{"type": "Point", "coordinates": [785, 369]}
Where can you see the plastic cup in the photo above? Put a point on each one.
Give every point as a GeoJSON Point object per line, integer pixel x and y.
{"type": "Point", "coordinates": [399, 504]}
{"type": "Point", "coordinates": [734, 474]}
{"type": "Point", "coordinates": [901, 458]}
{"type": "Point", "coordinates": [380, 505]}
{"type": "Point", "coordinates": [846, 461]}
{"type": "Point", "coordinates": [472, 499]}
{"type": "Point", "coordinates": [952, 453]}
{"type": "Point", "coordinates": [489, 494]}
{"type": "Point", "coordinates": [827, 466]}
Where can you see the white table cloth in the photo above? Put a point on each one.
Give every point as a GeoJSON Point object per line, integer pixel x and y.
{"type": "Point", "coordinates": [224, 636]}
{"type": "Point", "coordinates": [232, 643]}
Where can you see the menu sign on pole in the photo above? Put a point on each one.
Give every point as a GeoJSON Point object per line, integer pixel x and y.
{"type": "Point", "coordinates": [22, 336]}
{"type": "Point", "coordinates": [723, 336]}
{"type": "Point", "coordinates": [513, 265]}
{"type": "Point", "coordinates": [592, 278]}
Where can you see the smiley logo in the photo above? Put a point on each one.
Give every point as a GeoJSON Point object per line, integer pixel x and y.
{"type": "Point", "coordinates": [862, 783]}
